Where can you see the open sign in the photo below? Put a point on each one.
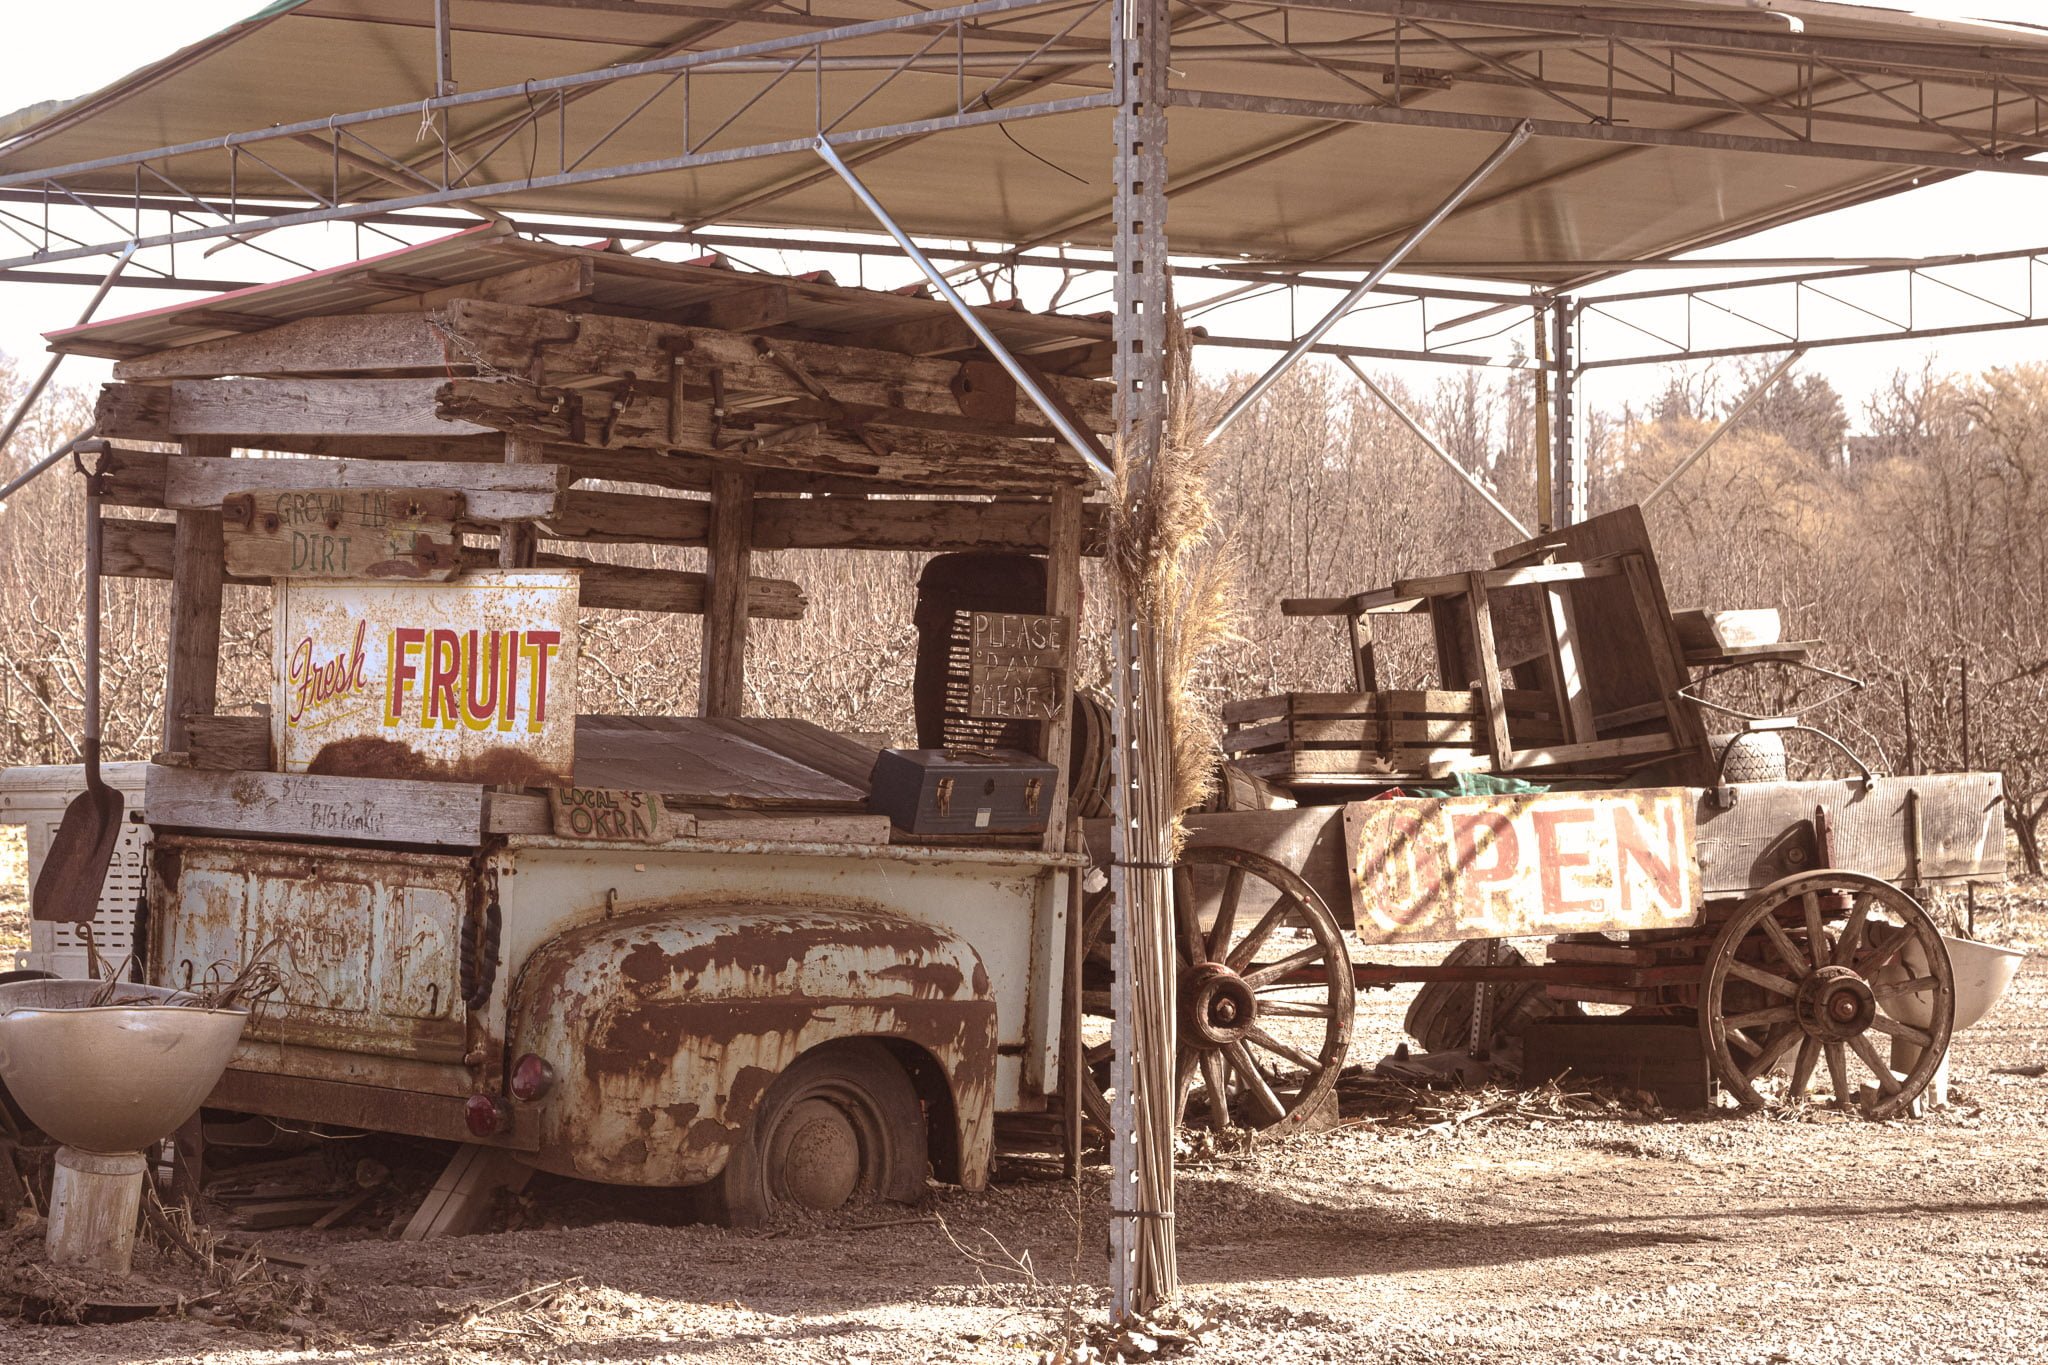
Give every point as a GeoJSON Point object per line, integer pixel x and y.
{"type": "Point", "coordinates": [1434, 869]}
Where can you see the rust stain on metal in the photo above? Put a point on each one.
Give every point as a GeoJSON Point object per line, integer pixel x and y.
{"type": "Point", "coordinates": [366, 941]}
{"type": "Point", "coordinates": [667, 1024]}
{"type": "Point", "coordinates": [1502, 866]}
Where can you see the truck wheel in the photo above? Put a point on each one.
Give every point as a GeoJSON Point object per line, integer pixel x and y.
{"type": "Point", "coordinates": [839, 1127]}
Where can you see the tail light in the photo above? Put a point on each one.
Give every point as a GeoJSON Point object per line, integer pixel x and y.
{"type": "Point", "coordinates": [487, 1115]}
{"type": "Point", "coordinates": [532, 1078]}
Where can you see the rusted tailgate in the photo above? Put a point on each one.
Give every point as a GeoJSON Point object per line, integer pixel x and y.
{"type": "Point", "coordinates": [366, 939]}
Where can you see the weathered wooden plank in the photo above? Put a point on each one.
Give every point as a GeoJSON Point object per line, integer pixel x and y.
{"type": "Point", "coordinates": [142, 549]}
{"type": "Point", "coordinates": [907, 453]}
{"type": "Point", "coordinates": [228, 743]}
{"type": "Point", "coordinates": [353, 533]}
{"type": "Point", "coordinates": [536, 286]}
{"type": "Point", "coordinates": [598, 348]}
{"type": "Point", "coordinates": [347, 343]}
{"type": "Point", "coordinates": [721, 678]}
{"type": "Point", "coordinates": [376, 810]}
{"type": "Point", "coordinates": [836, 523]}
{"type": "Point", "coordinates": [1768, 832]}
{"type": "Point", "coordinates": [260, 409]}
{"type": "Point", "coordinates": [1068, 527]}
{"type": "Point", "coordinates": [191, 683]}
{"type": "Point", "coordinates": [518, 539]}
{"type": "Point", "coordinates": [504, 492]}
{"type": "Point", "coordinates": [1592, 753]}
{"type": "Point", "coordinates": [630, 518]}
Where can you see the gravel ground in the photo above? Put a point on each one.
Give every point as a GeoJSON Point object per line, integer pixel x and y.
{"type": "Point", "coordinates": [1519, 1235]}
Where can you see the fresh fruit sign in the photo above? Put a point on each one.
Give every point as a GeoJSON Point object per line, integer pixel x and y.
{"type": "Point", "coordinates": [467, 681]}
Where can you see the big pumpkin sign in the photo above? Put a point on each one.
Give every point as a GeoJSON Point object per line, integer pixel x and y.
{"type": "Point", "coordinates": [1427, 870]}
{"type": "Point", "coordinates": [466, 681]}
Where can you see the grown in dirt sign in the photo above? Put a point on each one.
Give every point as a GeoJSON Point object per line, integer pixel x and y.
{"type": "Point", "coordinates": [467, 681]}
{"type": "Point", "coordinates": [1464, 867]}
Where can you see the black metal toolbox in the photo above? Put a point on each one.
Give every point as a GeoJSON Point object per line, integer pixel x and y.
{"type": "Point", "coordinates": [960, 791]}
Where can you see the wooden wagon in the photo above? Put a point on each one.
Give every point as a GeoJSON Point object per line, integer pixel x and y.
{"type": "Point", "coordinates": [1776, 913]}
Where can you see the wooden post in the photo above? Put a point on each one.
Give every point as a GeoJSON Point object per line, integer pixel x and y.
{"type": "Point", "coordinates": [1365, 673]}
{"type": "Point", "coordinates": [192, 677]}
{"type": "Point", "coordinates": [517, 539]}
{"type": "Point", "coordinates": [1062, 598]}
{"type": "Point", "coordinates": [722, 681]}
{"type": "Point", "coordinates": [1567, 666]}
{"type": "Point", "coordinates": [1488, 663]}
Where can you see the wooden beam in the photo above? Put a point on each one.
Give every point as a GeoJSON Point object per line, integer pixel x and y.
{"type": "Point", "coordinates": [743, 310]}
{"type": "Point", "coordinates": [1479, 612]}
{"type": "Point", "coordinates": [509, 492]}
{"type": "Point", "coordinates": [630, 518]}
{"type": "Point", "coordinates": [259, 408]}
{"type": "Point", "coordinates": [343, 344]}
{"type": "Point", "coordinates": [380, 809]}
{"type": "Point", "coordinates": [1062, 598]}
{"type": "Point", "coordinates": [144, 549]}
{"type": "Point", "coordinates": [536, 286]}
{"type": "Point", "coordinates": [909, 455]}
{"type": "Point", "coordinates": [606, 348]}
{"type": "Point", "coordinates": [840, 523]}
{"type": "Point", "coordinates": [937, 335]}
{"type": "Point", "coordinates": [192, 679]}
{"type": "Point", "coordinates": [517, 539]}
{"type": "Point", "coordinates": [721, 684]}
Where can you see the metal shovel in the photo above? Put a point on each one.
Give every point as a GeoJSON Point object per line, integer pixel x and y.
{"type": "Point", "coordinates": [68, 889]}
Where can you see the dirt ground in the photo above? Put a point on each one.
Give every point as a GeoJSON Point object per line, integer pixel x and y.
{"type": "Point", "coordinates": [1517, 1235]}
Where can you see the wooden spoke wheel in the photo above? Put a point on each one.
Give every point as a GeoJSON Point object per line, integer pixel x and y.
{"type": "Point", "coordinates": [1809, 978]}
{"type": "Point", "coordinates": [1264, 995]}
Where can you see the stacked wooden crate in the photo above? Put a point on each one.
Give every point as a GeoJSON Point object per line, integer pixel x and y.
{"type": "Point", "coordinates": [1348, 738]}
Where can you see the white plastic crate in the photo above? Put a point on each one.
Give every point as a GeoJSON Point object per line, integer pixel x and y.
{"type": "Point", "coordinates": [35, 798]}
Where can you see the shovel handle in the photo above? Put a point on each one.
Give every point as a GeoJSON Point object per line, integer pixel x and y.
{"type": "Point", "coordinates": [91, 746]}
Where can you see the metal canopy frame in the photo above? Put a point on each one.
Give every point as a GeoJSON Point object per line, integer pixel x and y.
{"type": "Point", "coordinates": [1878, 102]}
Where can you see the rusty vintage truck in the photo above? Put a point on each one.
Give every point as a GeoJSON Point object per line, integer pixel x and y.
{"type": "Point", "coordinates": [650, 950]}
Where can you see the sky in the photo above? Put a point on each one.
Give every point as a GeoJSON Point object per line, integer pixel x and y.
{"type": "Point", "coordinates": [49, 56]}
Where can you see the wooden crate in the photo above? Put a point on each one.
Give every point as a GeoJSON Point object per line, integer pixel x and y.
{"type": "Point", "coordinates": [1331, 738]}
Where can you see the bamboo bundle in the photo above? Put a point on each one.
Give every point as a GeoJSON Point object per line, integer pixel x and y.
{"type": "Point", "coordinates": [1174, 604]}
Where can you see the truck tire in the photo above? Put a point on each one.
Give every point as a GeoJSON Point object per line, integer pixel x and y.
{"type": "Point", "coordinates": [840, 1127]}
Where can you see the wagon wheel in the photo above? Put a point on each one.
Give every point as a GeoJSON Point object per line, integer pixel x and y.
{"type": "Point", "coordinates": [1264, 1002]}
{"type": "Point", "coordinates": [1811, 970]}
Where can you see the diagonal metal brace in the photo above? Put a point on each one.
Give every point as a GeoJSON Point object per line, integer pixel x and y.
{"type": "Point", "coordinates": [1371, 282]}
{"type": "Point", "coordinates": [1084, 445]}
{"type": "Point", "coordinates": [1436, 448]}
{"type": "Point", "coordinates": [1727, 424]}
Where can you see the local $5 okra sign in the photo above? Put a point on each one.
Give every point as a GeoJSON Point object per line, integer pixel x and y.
{"type": "Point", "coordinates": [467, 681]}
{"type": "Point", "coordinates": [1428, 870]}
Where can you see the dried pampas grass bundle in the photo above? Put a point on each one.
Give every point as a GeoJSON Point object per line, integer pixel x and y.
{"type": "Point", "coordinates": [1180, 576]}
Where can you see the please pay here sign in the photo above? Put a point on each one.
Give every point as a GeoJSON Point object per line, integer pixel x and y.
{"type": "Point", "coordinates": [1428, 870]}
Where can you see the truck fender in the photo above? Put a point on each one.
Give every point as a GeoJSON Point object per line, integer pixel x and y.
{"type": "Point", "coordinates": [665, 1024]}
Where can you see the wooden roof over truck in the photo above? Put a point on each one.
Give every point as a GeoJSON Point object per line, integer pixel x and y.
{"type": "Point", "coordinates": [618, 367]}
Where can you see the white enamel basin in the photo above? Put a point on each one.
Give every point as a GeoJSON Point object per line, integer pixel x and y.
{"type": "Point", "coordinates": [113, 1078]}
